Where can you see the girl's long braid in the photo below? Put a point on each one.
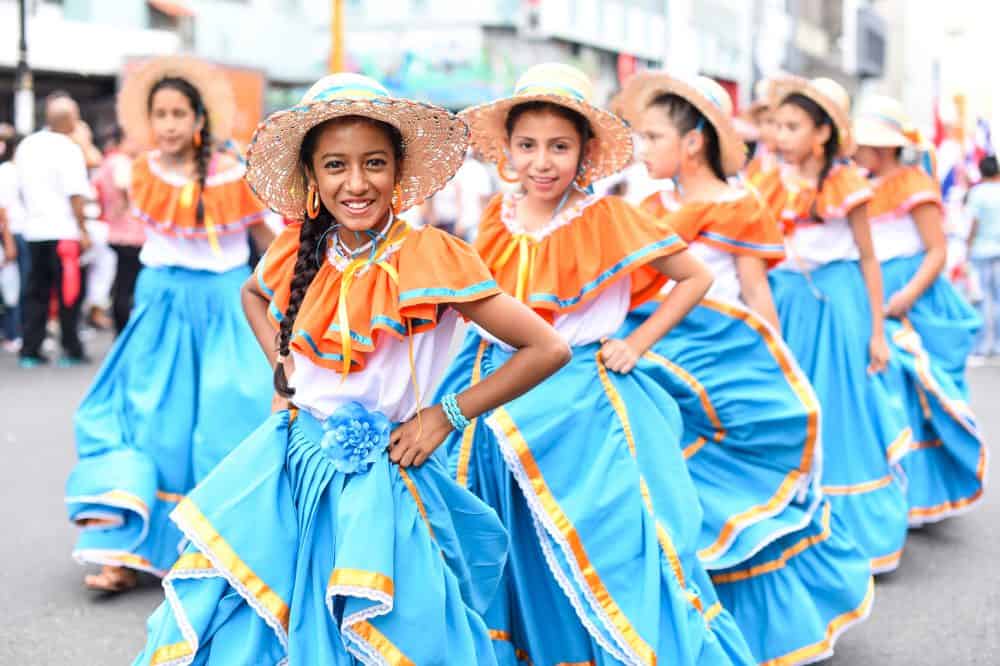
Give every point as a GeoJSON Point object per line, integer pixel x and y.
{"type": "Point", "coordinates": [203, 160]}
{"type": "Point", "coordinates": [306, 267]}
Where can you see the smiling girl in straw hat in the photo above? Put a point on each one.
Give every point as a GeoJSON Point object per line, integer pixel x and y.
{"type": "Point", "coordinates": [932, 328]}
{"type": "Point", "coordinates": [183, 382]}
{"type": "Point", "coordinates": [585, 470]}
{"type": "Point", "coordinates": [829, 298]}
{"type": "Point", "coordinates": [330, 536]}
{"type": "Point", "coordinates": [751, 419]}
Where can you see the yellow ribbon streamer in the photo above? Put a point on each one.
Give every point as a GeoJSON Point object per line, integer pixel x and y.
{"type": "Point", "coordinates": [395, 235]}
{"type": "Point", "coordinates": [526, 251]}
{"type": "Point", "coordinates": [186, 201]}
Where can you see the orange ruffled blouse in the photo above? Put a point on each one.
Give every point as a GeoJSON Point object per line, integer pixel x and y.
{"type": "Point", "coordinates": [586, 248]}
{"type": "Point", "coordinates": [398, 293]}
{"type": "Point", "coordinates": [743, 226]}
{"type": "Point", "coordinates": [901, 192]}
{"type": "Point", "coordinates": [795, 201]}
{"type": "Point", "coordinates": [168, 206]}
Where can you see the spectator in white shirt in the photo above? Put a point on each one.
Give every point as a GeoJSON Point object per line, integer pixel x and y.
{"type": "Point", "coordinates": [54, 187]}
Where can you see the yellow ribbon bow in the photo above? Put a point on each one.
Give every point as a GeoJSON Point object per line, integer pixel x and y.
{"type": "Point", "coordinates": [526, 251]}
{"type": "Point", "coordinates": [396, 234]}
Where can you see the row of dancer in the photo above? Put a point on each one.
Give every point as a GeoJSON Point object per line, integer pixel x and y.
{"type": "Point", "coordinates": [630, 470]}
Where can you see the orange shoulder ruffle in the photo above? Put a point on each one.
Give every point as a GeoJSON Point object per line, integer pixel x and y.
{"type": "Point", "coordinates": [901, 192]}
{"type": "Point", "coordinates": [659, 204]}
{"type": "Point", "coordinates": [168, 205]}
{"type": "Point", "coordinates": [795, 201]}
{"type": "Point", "coordinates": [587, 247]}
{"type": "Point", "coordinates": [400, 293]}
{"type": "Point", "coordinates": [743, 226]}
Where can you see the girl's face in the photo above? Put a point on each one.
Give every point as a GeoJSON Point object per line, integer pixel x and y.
{"type": "Point", "coordinates": [874, 160]}
{"type": "Point", "coordinates": [354, 168]}
{"type": "Point", "coordinates": [797, 135]}
{"type": "Point", "coordinates": [661, 148]}
{"type": "Point", "coordinates": [545, 150]}
{"type": "Point", "coordinates": [174, 122]}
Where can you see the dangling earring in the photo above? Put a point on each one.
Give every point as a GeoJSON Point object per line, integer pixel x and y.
{"type": "Point", "coordinates": [582, 181]}
{"type": "Point", "coordinates": [502, 171]}
{"type": "Point", "coordinates": [817, 150]}
{"type": "Point", "coordinates": [312, 202]}
{"type": "Point", "coordinates": [397, 199]}
{"type": "Point", "coordinates": [197, 139]}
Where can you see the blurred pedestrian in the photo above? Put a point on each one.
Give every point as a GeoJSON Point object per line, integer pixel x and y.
{"type": "Point", "coordinates": [16, 271]}
{"type": "Point", "coordinates": [126, 233]}
{"type": "Point", "coordinates": [52, 176]}
{"type": "Point", "coordinates": [984, 248]}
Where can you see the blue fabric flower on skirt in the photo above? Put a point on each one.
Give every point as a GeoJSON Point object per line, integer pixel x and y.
{"type": "Point", "coordinates": [355, 437]}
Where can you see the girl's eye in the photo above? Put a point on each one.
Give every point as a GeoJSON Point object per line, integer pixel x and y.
{"type": "Point", "coordinates": [376, 163]}
{"type": "Point", "coordinates": [333, 164]}
{"type": "Point", "coordinates": [561, 146]}
{"type": "Point", "coordinates": [524, 145]}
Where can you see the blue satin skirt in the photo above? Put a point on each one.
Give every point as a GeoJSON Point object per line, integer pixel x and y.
{"type": "Point", "coordinates": [826, 322]}
{"type": "Point", "coordinates": [751, 425]}
{"type": "Point", "coordinates": [294, 562]}
{"type": "Point", "coordinates": [946, 467]}
{"type": "Point", "coordinates": [183, 384]}
{"type": "Point", "coordinates": [586, 473]}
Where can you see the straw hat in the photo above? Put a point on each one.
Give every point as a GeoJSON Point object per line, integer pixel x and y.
{"type": "Point", "coordinates": [208, 80]}
{"type": "Point", "coordinates": [434, 141]}
{"type": "Point", "coordinates": [764, 96]}
{"type": "Point", "coordinates": [706, 95]}
{"type": "Point", "coordinates": [565, 86]}
{"type": "Point", "coordinates": [831, 97]}
{"type": "Point", "coordinates": [881, 122]}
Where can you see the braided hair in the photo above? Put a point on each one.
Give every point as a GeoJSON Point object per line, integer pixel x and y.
{"type": "Point", "coordinates": [313, 232]}
{"type": "Point", "coordinates": [685, 117]}
{"type": "Point", "coordinates": [203, 154]}
{"type": "Point", "coordinates": [819, 118]}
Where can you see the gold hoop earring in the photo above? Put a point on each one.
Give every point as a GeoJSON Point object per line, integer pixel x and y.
{"type": "Point", "coordinates": [312, 202]}
{"type": "Point", "coordinates": [397, 199]}
{"type": "Point", "coordinates": [502, 171]}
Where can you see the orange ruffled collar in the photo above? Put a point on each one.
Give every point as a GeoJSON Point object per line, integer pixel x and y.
{"type": "Point", "coordinates": [795, 201]}
{"type": "Point", "coordinates": [167, 202]}
{"type": "Point", "coordinates": [901, 192]}
{"type": "Point", "coordinates": [739, 226]}
{"type": "Point", "coordinates": [567, 263]}
{"type": "Point", "coordinates": [397, 291]}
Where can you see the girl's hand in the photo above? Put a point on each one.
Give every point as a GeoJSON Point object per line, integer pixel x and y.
{"type": "Point", "coordinates": [878, 354]}
{"type": "Point", "coordinates": [412, 443]}
{"type": "Point", "coordinates": [899, 304]}
{"type": "Point", "coordinates": [619, 356]}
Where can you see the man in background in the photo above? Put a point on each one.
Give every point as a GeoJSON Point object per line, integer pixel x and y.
{"type": "Point", "coordinates": [52, 174]}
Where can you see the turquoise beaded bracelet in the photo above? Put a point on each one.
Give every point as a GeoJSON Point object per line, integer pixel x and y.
{"type": "Point", "coordinates": [455, 416]}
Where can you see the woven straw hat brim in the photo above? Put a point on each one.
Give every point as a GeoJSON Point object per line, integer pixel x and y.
{"type": "Point", "coordinates": [210, 82]}
{"type": "Point", "coordinates": [839, 115]}
{"type": "Point", "coordinates": [434, 144]}
{"type": "Point", "coordinates": [870, 132]}
{"type": "Point", "coordinates": [731, 147]}
{"type": "Point", "coordinates": [613, 150]}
